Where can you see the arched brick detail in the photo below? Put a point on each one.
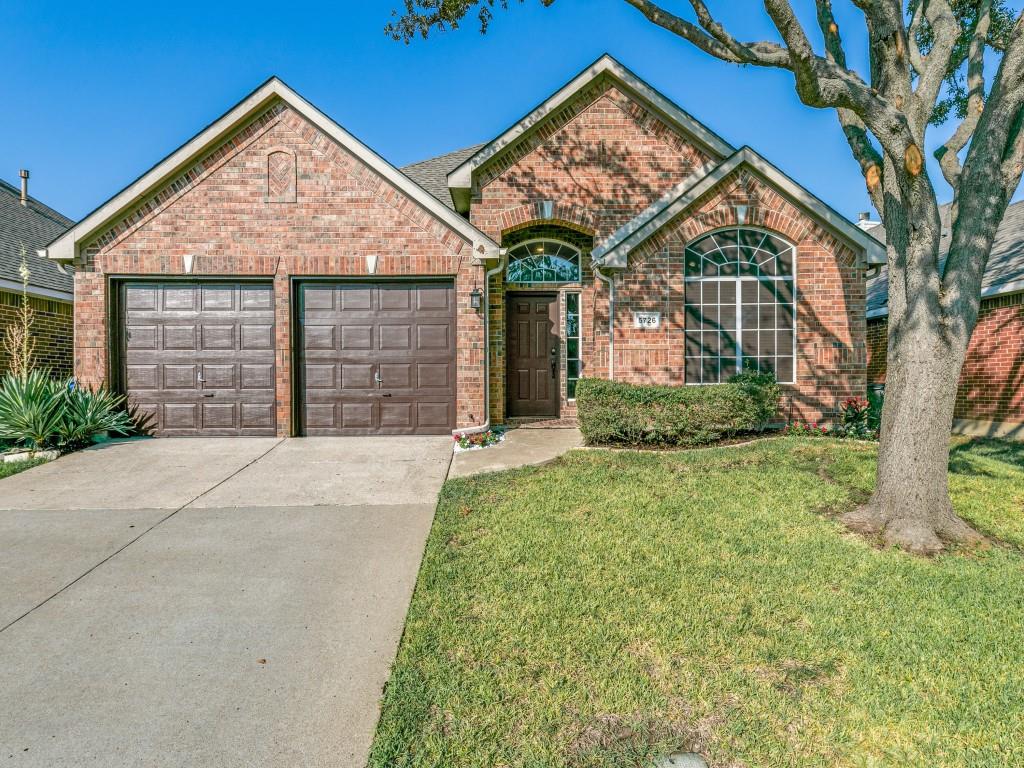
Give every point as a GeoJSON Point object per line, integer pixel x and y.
{"type": "Point", "coordinates": [548, 212]}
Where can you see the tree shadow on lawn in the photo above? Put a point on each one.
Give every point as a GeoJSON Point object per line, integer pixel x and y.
{"type": "Point", "coordinates": [963, 456]}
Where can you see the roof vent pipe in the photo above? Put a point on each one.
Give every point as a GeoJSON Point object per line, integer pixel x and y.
{"type": "Point", "coordinates": [24, 186]}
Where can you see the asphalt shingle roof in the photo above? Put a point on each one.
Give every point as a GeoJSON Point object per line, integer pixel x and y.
{"type": "Point", "coordinates": [1005, 263]}
{"type": "Point", "coordinates": [34, 225]}
{"type": "Point", "coordinates": [432, 174]}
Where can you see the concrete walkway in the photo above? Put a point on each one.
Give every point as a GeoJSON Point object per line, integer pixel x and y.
{"type": "Point", "coordinates": [208, 602]}
{"type": "Point", "coordinates": [521, 447]}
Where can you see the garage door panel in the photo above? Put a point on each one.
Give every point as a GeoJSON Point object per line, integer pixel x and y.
{"type": "Point", "coordinates": [178, 376]}
{"type": "Point", "coordinates": [177, 337]}
{"type": "Point", "coordinates": [200, 356]}
{"type": "Point", "coordinates": [395, 358]}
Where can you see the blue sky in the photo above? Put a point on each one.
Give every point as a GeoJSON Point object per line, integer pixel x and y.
{"type": "Point", "coordinates": [96, 93]}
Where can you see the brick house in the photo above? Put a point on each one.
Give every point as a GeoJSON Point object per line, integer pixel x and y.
{"type": "Point", "coordinates": [276, 276]}
{"type": "Point", "coordinates": [990, 398]}
{"type": "Point", "coordinates": [25, 223]}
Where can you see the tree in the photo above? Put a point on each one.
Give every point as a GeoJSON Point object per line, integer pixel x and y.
{"type": "Point", "coordinates": [19, 344]}
{"type": "Point", "coordinates": [928, 61]}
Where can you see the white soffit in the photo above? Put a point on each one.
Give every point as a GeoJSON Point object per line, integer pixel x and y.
{"type": "Point", "coordinates": [614, 251]}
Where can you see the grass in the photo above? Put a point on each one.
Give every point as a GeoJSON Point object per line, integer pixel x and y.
{"type": "Point", "coordinates": [615, 606]}
{"type": "Point", "coordinates": [8, 468]}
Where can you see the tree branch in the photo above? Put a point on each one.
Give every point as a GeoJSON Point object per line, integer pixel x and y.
{"type": "Point", "coordinates": [947, 154]}
{"type": "Point", "coordinates": [713, 38]}
{"type": "Point", "coordinates": [935, 65]}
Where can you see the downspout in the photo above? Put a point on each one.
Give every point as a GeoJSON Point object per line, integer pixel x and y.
{"type": "Point", "coordinates": [611, 317]}
{"type": "Point", "coordinates": [487, 349]}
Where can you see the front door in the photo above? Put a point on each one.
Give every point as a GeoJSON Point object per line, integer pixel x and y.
{"type": "Point", "coordinates": [532, 371]}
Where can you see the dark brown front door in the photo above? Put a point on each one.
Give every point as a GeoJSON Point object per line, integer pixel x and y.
{"type": "Point", "coordinates": [377, 358]}
{"type": "Point", "coordinates": [532, 372]}
{"type": "Point", "coordinates": [200, 356]}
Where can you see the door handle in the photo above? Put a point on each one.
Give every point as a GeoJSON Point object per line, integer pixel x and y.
{"type": "Point", "coordinates": [554, 362]}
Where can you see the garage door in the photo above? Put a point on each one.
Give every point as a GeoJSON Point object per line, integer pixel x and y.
{"type": "Point", "coordinates": [200, 356]}
{"type": "Point", "coordinates": [377, 358]}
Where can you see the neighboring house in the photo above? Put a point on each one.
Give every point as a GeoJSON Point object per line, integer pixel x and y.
{"type": "Point", "coordinates": [27, 223]}
{"type": "Point", "coordinates": [990, 399]}
{"type": "Point", "coordinates": [276, 276]}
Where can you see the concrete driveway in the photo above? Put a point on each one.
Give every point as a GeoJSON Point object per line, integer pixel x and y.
{"type": "Point", "coordinates": [208, 602]}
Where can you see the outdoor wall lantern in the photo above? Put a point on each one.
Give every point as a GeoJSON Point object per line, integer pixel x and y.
{"type": "Point", "coordinates": [475, 298]}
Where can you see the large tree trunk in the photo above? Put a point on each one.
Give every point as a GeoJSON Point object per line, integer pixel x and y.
{"type": "Point", "coordinates": [910, 507]}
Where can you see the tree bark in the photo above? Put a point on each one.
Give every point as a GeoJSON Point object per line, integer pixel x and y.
{"type": "Point", "coordinates": [911, 507]}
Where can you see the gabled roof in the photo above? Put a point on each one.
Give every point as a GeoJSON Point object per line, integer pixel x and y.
{"type": "Point", "coordinates": [460, 180]}
{"type": "Point", "coordinates": [614, 251]}
{"type": "Point", "coordinates": [432, 173]}
{"type": "Point", "coordinates": [1004, 272]}
{"type": "Point", "coordinates": [65, 248]}
{"type": "Point", "coordinates": [31, 226]}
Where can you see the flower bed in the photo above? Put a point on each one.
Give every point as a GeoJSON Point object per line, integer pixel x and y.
{"type": "Point", "coordinates": [465, 441]}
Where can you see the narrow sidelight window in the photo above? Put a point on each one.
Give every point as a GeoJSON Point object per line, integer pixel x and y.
{"type": "Point", "coordinates": [572, 343]}
{"type": "Point", "coordinates": [740, 306]}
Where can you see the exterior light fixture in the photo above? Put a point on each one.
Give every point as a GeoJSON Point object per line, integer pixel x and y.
{"type": "Point", "coordinates": [475, 298]}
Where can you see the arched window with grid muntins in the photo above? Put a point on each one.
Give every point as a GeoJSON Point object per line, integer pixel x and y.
{"type": "Point", "coordinates": [740, 305]}
{"type": "Point", "coordinates": [543, 261]}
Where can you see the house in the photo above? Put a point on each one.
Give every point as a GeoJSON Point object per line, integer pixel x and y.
{"type": "Point", "coordinates": [26, 224]}
{"type": "Point", "coordinates": [275, 275]}
{"type": "Point", "coordinates": [990, 398]}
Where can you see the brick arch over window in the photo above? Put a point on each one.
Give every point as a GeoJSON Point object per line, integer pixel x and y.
{"type": "Point", "coordinates": [548, 212]}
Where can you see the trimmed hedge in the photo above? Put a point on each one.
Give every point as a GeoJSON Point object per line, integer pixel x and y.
{"type": "Point", "coordinates": [615, 413]}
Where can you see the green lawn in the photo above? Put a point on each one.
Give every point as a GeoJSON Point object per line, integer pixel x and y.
{"type": "Point", "coordinates": [14, 467]}
{"type": "Point", "coordinates": [614, 606]}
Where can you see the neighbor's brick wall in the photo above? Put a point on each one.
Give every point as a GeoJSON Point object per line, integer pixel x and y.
{"type": "Point", "coordinates": [992, 380]}
{"type": "Point", "coordinates": [51, 328]}
{"type": "Point", "coordinates": [600, 162]}
{"type": "Point", "coordinates": [591, 168]}
{"type": "Point", "coordinates": [238, 220]}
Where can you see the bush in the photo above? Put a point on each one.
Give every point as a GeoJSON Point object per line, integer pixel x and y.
{"type": "Point", "coordinates": [611, 412]}
{"type": "Point", "coordinates": [39, 412]}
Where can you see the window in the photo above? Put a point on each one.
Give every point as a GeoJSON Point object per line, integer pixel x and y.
{"type": "Point", "coordinates": [740, 306]}
{"type": "Point", "coordinates": [543, 261]}
{"type": "Point", "coordinates": [572, 343]}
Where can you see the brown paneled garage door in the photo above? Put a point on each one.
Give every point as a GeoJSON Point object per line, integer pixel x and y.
{"type": "Point", "coordinates": [200, 356]}
{"type": "Point", "coordinates": [377, 358]}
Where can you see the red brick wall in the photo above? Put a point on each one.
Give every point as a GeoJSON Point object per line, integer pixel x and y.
{"type": "Point", "coordinates": [600, 162]}
{"type": "Point", "coordinates": [237, 220]}
{"type": "Point", "coordinates": [992, 380]}
{"type": "Point", "coordinates": [830, 299]}
{"type": "Point", "coordinates": [51, 329]}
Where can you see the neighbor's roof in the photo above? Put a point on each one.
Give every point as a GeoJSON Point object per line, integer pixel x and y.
{"type": "Point", "coordinates": [1004, 272]}
{"type": "Point", "coordinates": [32, 226]}
{"type": "Point", "coordinates": [432, 173]}
{"type": "Point", "coordinates": [65, 247]}
{"type": "Point", "coordinates": [614, 251]}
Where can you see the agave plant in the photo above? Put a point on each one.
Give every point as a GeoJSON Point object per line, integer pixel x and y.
{"type": "Point", "coordinates": [31, 409]}
{"type": "Point", "coordinates": [87, 413]}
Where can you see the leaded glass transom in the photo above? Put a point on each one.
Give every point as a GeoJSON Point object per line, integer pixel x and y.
{"type": "Point", "coordinates": [739, 253]}
{"type": "Point", "coordinates": [543, 261]}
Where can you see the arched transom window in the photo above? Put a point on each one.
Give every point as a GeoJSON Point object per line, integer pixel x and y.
{"type": "Point", "coordinates": [543, 261]}
{"type": "Point", "coordinates": [740, 305]}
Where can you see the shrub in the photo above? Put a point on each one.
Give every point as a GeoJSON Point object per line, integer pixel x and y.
{"type": "Point", "coordinates": [31, 409]}
{"type": "Point", "coordinates": [612, 412]}
{"type": "Point", "coordinates": [40, 412]}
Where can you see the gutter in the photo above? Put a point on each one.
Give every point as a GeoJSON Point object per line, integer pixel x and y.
{"type": "Point", "coordinates": [481, 428]}
{"type": "Point", "coordinates": [607, 279]}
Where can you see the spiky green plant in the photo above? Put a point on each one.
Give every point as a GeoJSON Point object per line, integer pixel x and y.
{"type": "Point", "coordinates": [31, 409]}
{"type": "Point", "coordinates": [90, 412]}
